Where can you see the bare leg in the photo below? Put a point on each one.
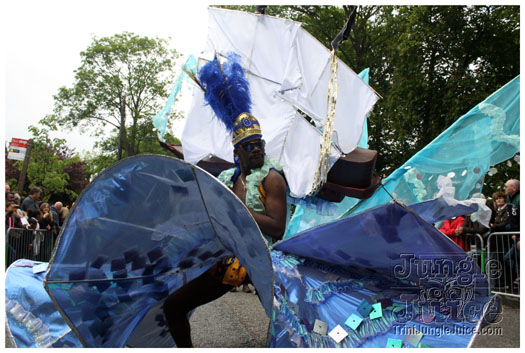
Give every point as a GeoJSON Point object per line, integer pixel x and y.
{"type": "Point", "coordinates": [201, 290]}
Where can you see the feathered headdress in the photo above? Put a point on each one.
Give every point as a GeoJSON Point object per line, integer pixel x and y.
{"type": "Point", "coordinates": [227, 92]}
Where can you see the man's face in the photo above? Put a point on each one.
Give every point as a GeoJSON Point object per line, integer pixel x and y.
{"type": "Point", "coordinates": [10, 198]}
{"type": "Point", "coordinates": [500, 201]}
{"type": "Point", "coordinates": [251, 154]}
{"type": "Point", "coordinates": [509, 189]}
{"type": "Point", "coordinates": [36, 196]}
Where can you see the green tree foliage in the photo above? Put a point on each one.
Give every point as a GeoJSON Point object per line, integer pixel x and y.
{"type": "Point", "coordinates": [122, 82]}
{"type": "Point", "coordinates": [147, 142]}
{"type": "Point", "coordinates": [53, 167]}
{"type": "Point", "coordinates": [429, 64]}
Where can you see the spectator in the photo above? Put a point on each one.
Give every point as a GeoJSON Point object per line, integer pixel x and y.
{"type": "Point", "coordinates": [64, 212]}
{"type": "Point", "coordinates": [512, 190]}
{"type": "Point", "coordinates": [449, 229]}
{"type": "Point", "coordinates": [30, 202]}
{"type": "Point", "coordinates": [18, 199]}
{"type": "Point", "coordinates": [46, 222]}
{"type": "Point", "coordinates": [33, 224]}
{"type": "Point", "coordinates": [9, 197]}
{"type": "Point", "coordinates": [499, 218]}
{"type": "Point", "coordinates": [469, 229]}
{"type": "Point", "coordinates": [32, 217]}
{"type": "Point", "coordinates": [512, 257]}
{"type": "Point", "coordinates": [7, 188]}
{"type": "Point", "coordinates": [55, 209]}
{"type": "Point", "coordinates": [12, 219]}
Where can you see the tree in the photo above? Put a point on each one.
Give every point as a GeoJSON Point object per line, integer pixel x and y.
{"type": "Point", "coordinates": [442, 66]}
{"type": "Point", "coordinates": [147, 142]}
{"type": "Point", "coordinates": [53, 167]}
{"type": "Point", "coordinates": [119, 77]}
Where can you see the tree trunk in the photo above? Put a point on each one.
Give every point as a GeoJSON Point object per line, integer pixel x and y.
{"type": "Point", "coordinates": [132, 145]}
{"type": "Point", "coordinates": [122, 131]}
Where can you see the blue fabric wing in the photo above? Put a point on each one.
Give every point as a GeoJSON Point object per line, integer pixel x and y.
{"type": "Point", "coordinates": [145, 227]}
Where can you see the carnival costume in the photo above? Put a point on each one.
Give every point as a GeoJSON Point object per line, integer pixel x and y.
{"type": "Point", "coordinates": [227, 93]}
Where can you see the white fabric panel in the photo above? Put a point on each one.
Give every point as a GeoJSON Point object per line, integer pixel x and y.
{"type": "Point", "coordinates": [301, 152]}
{"type": "Point", "coordinates": [285, 57]}
{"type": "Point", "coordinates": [274, 115]}
{"type": "Point", "coordinates": [262, 41]}
{"type": "Point", "coordinates": [203, 134]}
{"type": "Point", "coordinates": [354, 99]}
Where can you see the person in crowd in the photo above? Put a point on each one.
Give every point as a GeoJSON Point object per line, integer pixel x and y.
{"type": "Point", "coordinates": [46, 221]}
{"type": "Point", "coordinates": [12, 218]}
{"type": "Point", "coordinates": [266, 193]}
{"type": "Point", "coordinates": [7, 188]}
{"type": "Point", "coordinates": [499, 218]}
{"type": "Point", "coordinates": [468, 230]}
{"type": "Point", "coordinates": [18, 199]}
{"type": "Point", "coordinates": [55, 210]}
{"type": "Point", "coordinates": [512, 257]}
{"type": "Point", "coordinates": [64, 212]}
{"type": "Point", "coordinates": [9, 197]}
{"type": "Point", "coordinates": [32, 217]}
{"type": "Point", "coordinates": [31, 202]}
{"type": "Point", "coordinates": [449, 229]}
{"type": "Point", "coordinates": [512, 190]}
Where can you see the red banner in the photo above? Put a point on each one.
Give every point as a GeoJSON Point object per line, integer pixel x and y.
{"type": "Point", "coordinates": [18, 143]}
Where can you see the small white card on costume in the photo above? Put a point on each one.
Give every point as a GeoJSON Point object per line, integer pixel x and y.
{"type": "Point", "coordinates": [40, 267]}
{"type": "Point", "coordinates": [338, 334]}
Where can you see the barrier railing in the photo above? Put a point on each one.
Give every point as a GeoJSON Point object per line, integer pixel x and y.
{"type": "Point", "coordinates": [502, 266]}
{"type": "Point", "coordinates": [28, 244]}
{"type": "Point", "coordinates": [475, 248]}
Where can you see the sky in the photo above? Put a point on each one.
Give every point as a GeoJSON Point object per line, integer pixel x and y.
{"type": "Point", "coordinates": [44, 40]}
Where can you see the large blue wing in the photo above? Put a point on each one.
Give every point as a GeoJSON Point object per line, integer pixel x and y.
{"type": "Point", "coordinates": [145, 227]}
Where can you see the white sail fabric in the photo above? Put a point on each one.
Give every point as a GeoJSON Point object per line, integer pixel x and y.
{"type": "Point", "coordinates": [288, 69]}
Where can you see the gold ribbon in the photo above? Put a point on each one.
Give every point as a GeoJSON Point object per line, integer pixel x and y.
{"type": "Point", "coordinates": [326, 142]}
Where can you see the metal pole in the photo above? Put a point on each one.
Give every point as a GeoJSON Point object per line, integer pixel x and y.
{"type": "Point", "coordinates": [22, 178]}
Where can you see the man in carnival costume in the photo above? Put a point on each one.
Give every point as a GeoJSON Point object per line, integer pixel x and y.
{"type": "Point", "coordinates": [255, 179]}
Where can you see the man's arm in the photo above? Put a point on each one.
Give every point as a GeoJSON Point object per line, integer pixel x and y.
{"type": "Point", "coordinates": [273, 223]}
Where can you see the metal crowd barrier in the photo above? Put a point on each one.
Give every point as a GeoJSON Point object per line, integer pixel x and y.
{"type": "Point", "coordinates": [28, 244]}
{"type": "Point", "coordinates": [502, 265]}
{"type": "Point", "coordinates": [475, 248]}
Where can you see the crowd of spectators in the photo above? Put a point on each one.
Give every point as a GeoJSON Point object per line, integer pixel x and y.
{"type": "Point", "coordinates": [33, 214]}
{"type": "Point", "coordinates": [505, 207]}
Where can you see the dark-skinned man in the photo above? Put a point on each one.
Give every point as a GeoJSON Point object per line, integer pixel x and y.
{"type": "Point", "coordinates": [255, 179]}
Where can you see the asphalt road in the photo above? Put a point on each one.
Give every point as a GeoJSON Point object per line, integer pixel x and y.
{"type": "Point", "coordinates": [237, 320]}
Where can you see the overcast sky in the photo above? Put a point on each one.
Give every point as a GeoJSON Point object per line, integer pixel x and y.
{"type": "Point", "coordinates": [43, 40]}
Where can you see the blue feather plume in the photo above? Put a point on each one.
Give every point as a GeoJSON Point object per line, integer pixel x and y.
{"type": "Point", "coordinates": [227, 89]}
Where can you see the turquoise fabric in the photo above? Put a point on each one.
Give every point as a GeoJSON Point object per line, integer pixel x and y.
{"type": "Point", "coordinates": [363, 143]}
{"type": "Point", "coordinates": [160, 121]}
{"type": "Point", "coordinates": [485, 136]}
